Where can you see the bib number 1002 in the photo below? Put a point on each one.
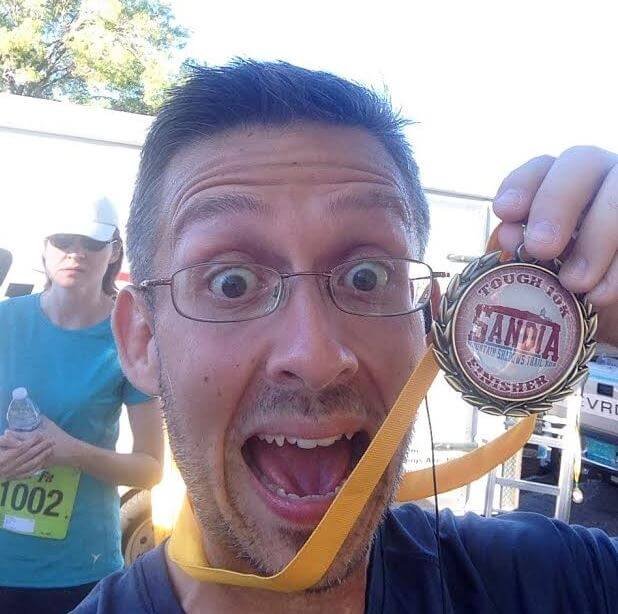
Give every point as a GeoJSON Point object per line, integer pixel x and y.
{"type": "Point", "coordinates": [36, 500]}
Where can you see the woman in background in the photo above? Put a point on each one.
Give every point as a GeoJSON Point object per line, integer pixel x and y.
{"type": "Point", "coordinates": [60, 527]}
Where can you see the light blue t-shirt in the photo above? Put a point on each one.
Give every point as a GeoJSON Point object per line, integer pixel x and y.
{"type": "Point", "coordinates": [75, 379]}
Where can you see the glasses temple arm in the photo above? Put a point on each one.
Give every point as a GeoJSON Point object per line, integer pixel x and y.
{"type": "Point", "coordinates": [152, 283]}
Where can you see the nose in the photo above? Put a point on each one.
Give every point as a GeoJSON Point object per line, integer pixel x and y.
{"type": "Point", "coordinates": [76, 252]}
{"type": "Point", "coordinates": [76, 249]}
{"type": "Point", "coordinates": [308, 350]}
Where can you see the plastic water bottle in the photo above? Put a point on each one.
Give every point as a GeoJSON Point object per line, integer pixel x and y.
{"type": "Point", "coordinates": [22, 414]}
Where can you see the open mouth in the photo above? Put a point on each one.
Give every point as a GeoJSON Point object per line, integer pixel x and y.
{"type": "Point", "coordinates": [298, 476]}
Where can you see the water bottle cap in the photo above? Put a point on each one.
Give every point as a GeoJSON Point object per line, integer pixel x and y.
{"type": "Point", "coordinates": [19, 394]}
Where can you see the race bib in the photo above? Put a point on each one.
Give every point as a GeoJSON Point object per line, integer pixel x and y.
{"type": "Point", "coordinates": [41, 505]}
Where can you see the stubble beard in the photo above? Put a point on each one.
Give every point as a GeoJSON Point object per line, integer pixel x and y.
{"type": "Point", "coordinates": [236, 533]}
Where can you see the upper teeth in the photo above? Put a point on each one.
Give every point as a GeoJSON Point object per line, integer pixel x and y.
{"type": "Point", "coordinates": [306, 444]}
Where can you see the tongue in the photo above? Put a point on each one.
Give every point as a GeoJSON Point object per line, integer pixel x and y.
{"type": "Point", "coordinates": [317, 471]}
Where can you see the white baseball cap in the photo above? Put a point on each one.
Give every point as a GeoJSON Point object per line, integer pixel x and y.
{"type": "Point", "coordinates": [93, 217]}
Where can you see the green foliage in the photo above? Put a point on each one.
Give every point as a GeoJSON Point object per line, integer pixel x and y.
{"type": "Point", "coordinates": [120, 54]}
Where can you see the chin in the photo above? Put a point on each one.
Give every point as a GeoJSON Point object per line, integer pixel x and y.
{"type": "Point", "coordinates": [264, 542]}
{"type": "Point", "coordinates": [69, 280]}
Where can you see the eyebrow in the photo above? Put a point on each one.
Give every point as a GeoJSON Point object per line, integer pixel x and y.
{"type": "Point", "coordinates": [206, 207]}
{"type": "Point", "coordinates": [370, 202]}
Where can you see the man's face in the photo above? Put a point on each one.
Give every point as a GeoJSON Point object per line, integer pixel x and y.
{"type": "Point", "coordinates": [268, 417]}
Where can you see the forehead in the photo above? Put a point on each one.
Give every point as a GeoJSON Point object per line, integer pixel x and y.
{"type": "Point", "coordinates": [282, 152]}
{"type": "Point", "coordinates": [273, 172]}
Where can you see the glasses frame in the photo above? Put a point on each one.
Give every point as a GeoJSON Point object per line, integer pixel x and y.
{"type": "Point", "coordinates": [169, 281]}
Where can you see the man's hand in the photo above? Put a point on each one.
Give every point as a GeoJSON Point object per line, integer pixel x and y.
{"type": "Point", "coordinates": [567, 207]}
{"type": "Point", "coordinates": [21, 457]}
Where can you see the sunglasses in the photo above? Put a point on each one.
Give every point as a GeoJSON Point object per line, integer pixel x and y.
{"type": "Point", "coordinates": [66, 242]}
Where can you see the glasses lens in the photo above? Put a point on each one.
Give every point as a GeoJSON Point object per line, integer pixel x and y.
{"type": "Point", "coordinates": [92, 245]}
{"type": "Point", "coordinates": [226, 292]}
{"type": "Point", "coordinates": [62, 242]}
{"type": "Point", "coordinates": [381, 286]}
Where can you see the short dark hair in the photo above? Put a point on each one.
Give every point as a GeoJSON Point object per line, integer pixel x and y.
{"type": "Point", "coordinates": [213, 100]}
{"type": "Point", "coordinates": [109, 279]}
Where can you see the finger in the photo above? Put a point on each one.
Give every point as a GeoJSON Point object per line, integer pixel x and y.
{"type": "Point", "coordinates": [12, 436]}
{"type": "Point", "coordinates": [11, 462]}
{"type": "Point", "coordinates": [510, 236]}
{"type": "Point", "coordinates": [597, 240]}
{"type": "Point", "coordinates": [606, 291]}
{"type": "Point", "coordinates": [33, 451]}
{"type": "Point", "coordinates": [517, 191]}
{"type": "Point", "coordinates": [28, 438]}
{"type": "Point", "coordinates": [568, 187]}
{"type": "Point", "coordinates": [8, 458]}
{"type": "Point", "coordinates": [9, 441]}
{"type": "Point", "coordinates": [26, 470]}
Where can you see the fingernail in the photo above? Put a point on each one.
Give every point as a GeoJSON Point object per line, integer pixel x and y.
{"type": "Point", "coordinates": [509, 198]}
{"type": "Point", "coordinates": [577, 266]}
{"type": "Point", "coordinates": [542, 231]}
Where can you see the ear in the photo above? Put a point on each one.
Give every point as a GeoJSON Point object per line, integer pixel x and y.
{"type": "Point", "coordinates": [134, 333]}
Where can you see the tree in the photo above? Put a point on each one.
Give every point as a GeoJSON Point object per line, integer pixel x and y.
{"type": "Point", "coordinates": [120, 54]}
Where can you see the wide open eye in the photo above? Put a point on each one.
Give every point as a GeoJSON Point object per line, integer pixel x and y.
{"type": "Point", "coordinates": [226, 292]}
{"type": "Point", "coordinates": [366, 276]}
{"type": "Point", "coordinates": [233, 283]}
{"type": "Point", "coordinates": [379, 286]}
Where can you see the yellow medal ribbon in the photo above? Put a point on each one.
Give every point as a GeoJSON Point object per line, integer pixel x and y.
{"type": "Point", "coordinates": [313, 560]}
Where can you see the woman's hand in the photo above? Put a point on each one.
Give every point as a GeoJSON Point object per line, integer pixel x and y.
{"type": "Point", "coordinates": [64, 446]}
{"type": "Point", "coordinates": [141, 468]}
{"type": "Point", "coordinates": [21, 456]}
{"type": "Point", "coordinates": [567, 208]}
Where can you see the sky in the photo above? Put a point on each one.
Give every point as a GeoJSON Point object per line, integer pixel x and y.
{"type": "Point", "coordinates": [489, 84]}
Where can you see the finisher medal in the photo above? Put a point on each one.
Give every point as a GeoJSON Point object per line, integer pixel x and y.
{"type": "Point", "coordinates": [510, 337]}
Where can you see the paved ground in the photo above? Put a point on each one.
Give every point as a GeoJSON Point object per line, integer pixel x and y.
{"type": "Point", "coordinates": [598, 509]}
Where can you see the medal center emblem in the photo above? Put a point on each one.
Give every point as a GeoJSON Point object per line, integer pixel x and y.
{"type": "Point", "coordinates": [517, 332]}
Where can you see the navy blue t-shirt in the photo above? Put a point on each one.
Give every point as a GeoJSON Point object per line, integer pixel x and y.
{"type": "Point", "coordinates": [520, 563]}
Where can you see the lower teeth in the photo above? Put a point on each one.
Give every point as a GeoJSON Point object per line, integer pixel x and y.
{"type": "Point", "coordinates": [290, 495]}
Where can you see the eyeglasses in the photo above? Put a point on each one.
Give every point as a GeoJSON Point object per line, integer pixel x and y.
{"type": "Point", "coordinates": [66, 242]}
{"type": "Point", "coordinates": [239, 291]}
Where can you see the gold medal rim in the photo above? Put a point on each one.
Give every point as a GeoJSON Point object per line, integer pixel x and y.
{"type": "Point", "coordinates": [567, 370]}
{"type": "Point", "coordinates": [449, 360]}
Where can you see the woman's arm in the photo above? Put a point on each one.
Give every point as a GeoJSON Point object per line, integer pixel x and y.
{"type": "Point", "coordinates": [141, 468]}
